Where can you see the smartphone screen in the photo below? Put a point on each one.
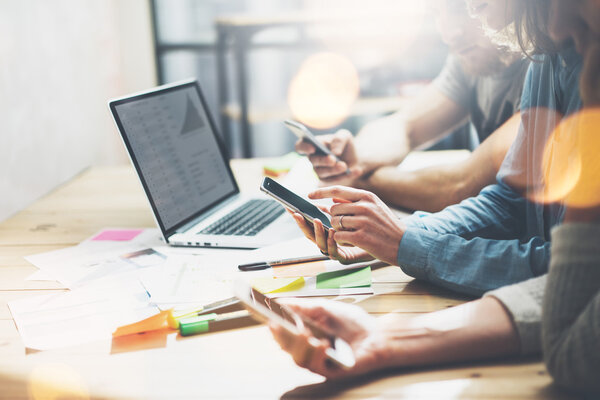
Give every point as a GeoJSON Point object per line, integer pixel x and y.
{"type": "Point", "coordinates": [291, 200]}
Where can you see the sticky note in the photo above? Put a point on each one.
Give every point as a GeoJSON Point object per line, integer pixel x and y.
{"type": "Point", "coordinates": [122, 235]}
{"type": "Point", "coordinates": [344, 279]}
{"type": "Point", "coordinates": [312, 268]}
{"type": "Point", "coordinates": [176, 315]}
{"type": "Point", "coordinates": [280, 165]}
{"type": "Point", "coordinates": [155, 322]}
{"type": "Point", "coordinates": [277, 285]}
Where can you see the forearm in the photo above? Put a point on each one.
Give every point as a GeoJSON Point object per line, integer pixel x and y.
{"type": "Point", "coordinates": [433, 189]}
{"type": "Point", "coordinates": [382, 142]}
{"type": "Point", "coordinates": [387, 140]}
{"type": "Point", "coordinates": [571, 317]}
{"type": "Point", "coordinates": [429, 189]}
{"type": "Point", "coordinates": [479, 329]}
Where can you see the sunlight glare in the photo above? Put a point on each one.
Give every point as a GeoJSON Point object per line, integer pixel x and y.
{"type": "Point", "coordinates": [323, 91]}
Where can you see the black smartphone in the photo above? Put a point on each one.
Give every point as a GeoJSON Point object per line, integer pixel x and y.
{"type": "Point", "coordinates": [303, 133]}
{"type": "Point", "coordinates": [294, 202]}
{"type": "Point", "coordinates": [265, 309]}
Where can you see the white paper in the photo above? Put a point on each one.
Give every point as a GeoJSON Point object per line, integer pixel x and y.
{"type": "Point", "coordinates": [40, 276]}
{"type": "Point", "coordinates": [96, 260]}
{"type": "Point", "coordinates": [82, 315]}
{"type": "Point", "coordinates": [186, 280]}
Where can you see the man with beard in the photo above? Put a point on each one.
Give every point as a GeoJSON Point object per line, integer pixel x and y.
{"type": "Point", "coordinates": [480, 83]}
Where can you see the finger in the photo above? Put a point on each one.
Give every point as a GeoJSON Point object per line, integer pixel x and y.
{"type": "Point", "coordinates": [335, 200]}
{"type": "Point", "coordinates": [332, 247]}
{"type": "Point", "coordinates": [304, 147]}
{"type": "Point", "coordinates": [320, 236]}
{"type": "Point", "coordinates": [339, 192]}
{"type": "Point", "coordinates": [347, 208]}
{"type": "Point", "coordinates": [346, 238]}
{"type": "Point", "coordinates": [306, 228]}
{"type": "Point", "coordinates": [356, 172]}
{"type": "Point", "coordinates": [339, 141]}
{"type": "Point", "coordinates": [318, 362]}
{"type": "Point", "coordinates": [281, 336]}
{"type": "Point", "coordinates": [348, 223]}
{"type": "Point", "coordinates": [337, 169]}
{"type": "Point", "coordinates": [301, 350]}
{"type": "Point", "coordinates": [320, 160]}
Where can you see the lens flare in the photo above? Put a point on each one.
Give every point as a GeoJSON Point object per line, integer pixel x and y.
{"type": "Point", "coordinates": [56, 381]}
{"type": "Point", "coordinates": [323, 91]}
{"type": "Point", "coordinates": [571, 162]}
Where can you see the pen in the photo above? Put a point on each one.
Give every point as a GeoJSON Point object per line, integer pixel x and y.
{"type": "Point", "coordinates": [268, 264]}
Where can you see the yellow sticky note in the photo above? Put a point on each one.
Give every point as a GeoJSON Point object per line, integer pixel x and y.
{"type": "Point", "coordinates": [155, 322]}
{"type": "Point", "coordinates": [277, 285]}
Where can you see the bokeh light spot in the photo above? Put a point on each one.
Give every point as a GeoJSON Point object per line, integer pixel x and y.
{"type": "Point", "coordinates": [56, 381]}
{"type": "Point", "coordinates": [323, 91]}
{"type": "Point", "coordinates": [571, 162]}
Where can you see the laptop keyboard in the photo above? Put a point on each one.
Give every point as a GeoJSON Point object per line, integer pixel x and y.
{"type": "Point", "coordinates": [246, 220]}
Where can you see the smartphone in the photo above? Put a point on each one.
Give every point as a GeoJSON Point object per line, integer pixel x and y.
{"type": "Point", "coordinates": [291, 200]}
{"type": "Point", "coordinates": [264, 309]}
{"type": "Point", "coordinates": [303, 133]}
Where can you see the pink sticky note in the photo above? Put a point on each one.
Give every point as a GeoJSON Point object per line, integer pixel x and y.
{"type": "Point", "coordinates": [118, 234]}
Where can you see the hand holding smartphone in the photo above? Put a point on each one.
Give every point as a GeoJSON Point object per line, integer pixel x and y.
{"type": "Point", "coordinates": [264, 309]}
{"type": "Point", "coordinates": [294, 202]}
{"type": "Point", "coordinates": [303, 133]}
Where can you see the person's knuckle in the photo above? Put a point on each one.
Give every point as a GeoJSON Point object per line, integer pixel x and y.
{"type": "Point", "coordinates": [361, 208]}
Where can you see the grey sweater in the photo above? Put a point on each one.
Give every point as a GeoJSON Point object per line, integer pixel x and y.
{"type": "Point", "coordinates": [568, 328]}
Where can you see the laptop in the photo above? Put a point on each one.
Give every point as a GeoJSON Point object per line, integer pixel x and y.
{"type": "Point", "coordinates": [174, 145]}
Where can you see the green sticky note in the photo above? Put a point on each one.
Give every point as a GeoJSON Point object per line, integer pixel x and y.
{"type": "Point", "coordinates": [345, 279]}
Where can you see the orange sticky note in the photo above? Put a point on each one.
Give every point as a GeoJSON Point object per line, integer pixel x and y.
{"type": "Point", "coordinates": [155, 322]}
{"type": "Point", "coordinates": [308, 269]}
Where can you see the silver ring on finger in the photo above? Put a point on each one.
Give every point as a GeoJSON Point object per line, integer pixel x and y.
{"type": "Point", "coordinates": [341, 223]}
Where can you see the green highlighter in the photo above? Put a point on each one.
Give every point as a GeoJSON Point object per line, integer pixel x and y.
{"type": "Point", "coordinates": [214, 322]}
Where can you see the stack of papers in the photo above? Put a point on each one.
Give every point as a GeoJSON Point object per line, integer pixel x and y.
{"type": "Point", "coordinates": [82, 315]}
{"type": "Point", "coordinates": [100, 257]}
{"type": "Point", "coordinates": [118, 277]}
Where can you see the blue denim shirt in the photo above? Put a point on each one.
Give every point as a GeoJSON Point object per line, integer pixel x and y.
{"type": "Point", "coordinates": [498, 237]}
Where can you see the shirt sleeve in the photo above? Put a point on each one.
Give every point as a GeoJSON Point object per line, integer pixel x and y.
{"type": "Point", "coordinates": [472, 247]}
{"type": "Point", "coordinates": [571, 312]}
{"type": "Point", "coordinates": [454, 83]}
{"type": "Point", "coordinates": [523, 302]}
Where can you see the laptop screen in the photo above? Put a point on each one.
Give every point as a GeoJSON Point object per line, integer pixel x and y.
{"type": "Point", "coordinates": [174, 147]}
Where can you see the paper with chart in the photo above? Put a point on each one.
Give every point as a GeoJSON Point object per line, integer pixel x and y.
{"type": "Point", "coordinates": [95, 260]}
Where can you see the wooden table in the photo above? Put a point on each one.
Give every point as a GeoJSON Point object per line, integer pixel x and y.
{"type": "Point", "coordinates": [244, 363]}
